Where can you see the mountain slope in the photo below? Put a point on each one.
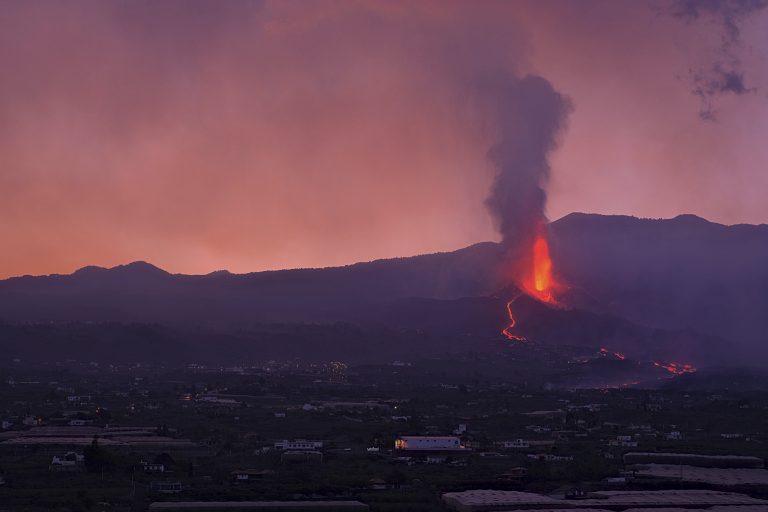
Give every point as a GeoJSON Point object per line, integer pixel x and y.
{"type": "Point", "coordinates": [683, 274]}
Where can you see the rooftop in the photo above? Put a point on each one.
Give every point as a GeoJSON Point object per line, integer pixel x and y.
{"type": "Point", "coordinates": [263, 506]}
{"type": "Point", "coordinates": [485, 500]}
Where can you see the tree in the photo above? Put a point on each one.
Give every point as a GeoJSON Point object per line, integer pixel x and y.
{"type": "Point", "coordinates": [97, 458]}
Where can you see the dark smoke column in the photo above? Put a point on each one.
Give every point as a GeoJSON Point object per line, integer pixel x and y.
{"type": "Point", "coordinates": [530, 116]}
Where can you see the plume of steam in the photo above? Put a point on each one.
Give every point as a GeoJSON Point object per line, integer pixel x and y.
{"type": "Point", "coordinates": [530, 115]}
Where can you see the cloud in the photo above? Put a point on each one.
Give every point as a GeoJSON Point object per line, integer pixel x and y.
{"type": "Point", "coordinates": [725, 74]}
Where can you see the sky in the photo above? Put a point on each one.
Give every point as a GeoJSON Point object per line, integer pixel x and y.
{"type": "Point", "coordinates": [251, 135]}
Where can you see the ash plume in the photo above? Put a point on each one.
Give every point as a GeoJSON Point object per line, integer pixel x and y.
{"type": "Point", "coordinates": [531, 115]}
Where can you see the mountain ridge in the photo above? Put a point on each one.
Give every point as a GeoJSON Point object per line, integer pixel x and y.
{"type": "Point", "coordinates": [672, 274]}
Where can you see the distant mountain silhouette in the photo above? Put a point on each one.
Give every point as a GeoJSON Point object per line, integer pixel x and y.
{"type": "Point", "coordinates": [703, 282]}
{"type": "Point", "coordinates": [140, 292]}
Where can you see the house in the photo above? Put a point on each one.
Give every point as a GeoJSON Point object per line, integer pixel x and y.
{"type": "Point", "coordinates": [549, 457]}
{"type": "Point", "coordinates": [171, 487]}
{"type": "Point", "coordinates": [70, 461]}
{"type": "Point", "coordinates": [514, 444]}
{"type": "Point", "coordinates": [249, 475]}
{"type": "Point", "coordinates": [428, 443]}
{"type": "Point", "coordinates": [675, 435]}
{"type": "Point", "coordinates": [153, 467]}
{"type": "Point", "coordinates": [377, 484]}
{"type": "Point", "coordinates": [79, 398]}
{"type": "Point", "coordinates": [31, 421]}
{"type": "Point", "coordinates": [298, 444]}
{"type": "Point", "coordinates": [624, 441]}
{"type": "Point", "coordinates": [79, 422]}
{"type": "Point", "coordinates": [623, 444]}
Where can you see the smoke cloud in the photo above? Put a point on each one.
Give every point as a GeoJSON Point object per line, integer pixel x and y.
{"type": "Point", "coordinates": [726, 74]}
{"type": "Point", "coordinates": [264, 134]}
{"type": "Point", "coordinates": [531, 116]}
{"type": "Point", "coordinates": [252, 135]}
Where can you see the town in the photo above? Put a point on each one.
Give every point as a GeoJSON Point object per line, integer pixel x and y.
{"type": "Point", "coordinates": [309, 436]}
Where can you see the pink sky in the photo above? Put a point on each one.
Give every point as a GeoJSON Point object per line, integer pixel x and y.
{"type": "Point", "coordinates": [247, 135]}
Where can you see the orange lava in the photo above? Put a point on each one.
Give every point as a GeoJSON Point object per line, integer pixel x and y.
{"type": "Point", "coordinates": [676, 368]}
{"type": "Point", "coordinates": [536, 281]}
{"type": "Point", "coordinates": [539, 283]}
{"type": "Point", "coordinates": [508, 330]}
{"type": "Point", "coordinates": [618, 355]}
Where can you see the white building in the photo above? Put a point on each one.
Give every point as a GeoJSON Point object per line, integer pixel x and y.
{"type": "Point", "coordinates": [514, 444]}
{"type": "Point", "coordinates": [427, 443]}
{"type": "Point", "coordinates": [298, 444]}
{"type": "Point", "coordinates": [68, 461]}
{"type": "Point", "coordinates": [31, 421]}
{"type": "Point", "coordinates": [550, 457]}
{"type": "Point", "coordinates": [625, 444]}
{"type": "Point", "coordinates": [153, 467]}
{"type": "Point", "coordinates": [79, 422]}
{"type": "Point", "coordinates": [79, 398]}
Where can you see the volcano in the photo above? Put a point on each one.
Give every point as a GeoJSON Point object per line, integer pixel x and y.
{"type": "Point", "coordinates": [680, 290]}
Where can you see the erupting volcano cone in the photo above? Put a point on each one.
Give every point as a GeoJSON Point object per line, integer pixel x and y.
{"type": "Point", "coordinates": [536, 280]}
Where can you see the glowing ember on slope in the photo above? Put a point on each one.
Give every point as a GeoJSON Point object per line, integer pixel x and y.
{"type": "Point", "coordinates": [618, 355]}
{"type": "Point", "coordinates": [676, 368]}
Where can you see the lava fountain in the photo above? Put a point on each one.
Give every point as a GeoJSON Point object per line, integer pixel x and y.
{"type": "Point", "coordinates": [538, 283]}
{"type": "Point", "coordinates": [536, 280]}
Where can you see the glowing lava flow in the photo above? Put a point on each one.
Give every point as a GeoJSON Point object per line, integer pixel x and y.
{"type": "Point", "coordinates": [539, 283]}
{"type": "Point", "coordinates": [676, 368]}
{"type": "Point", "coordinates": [618, 355]}
{"type": "Point", "coordinates": [508, 330]}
